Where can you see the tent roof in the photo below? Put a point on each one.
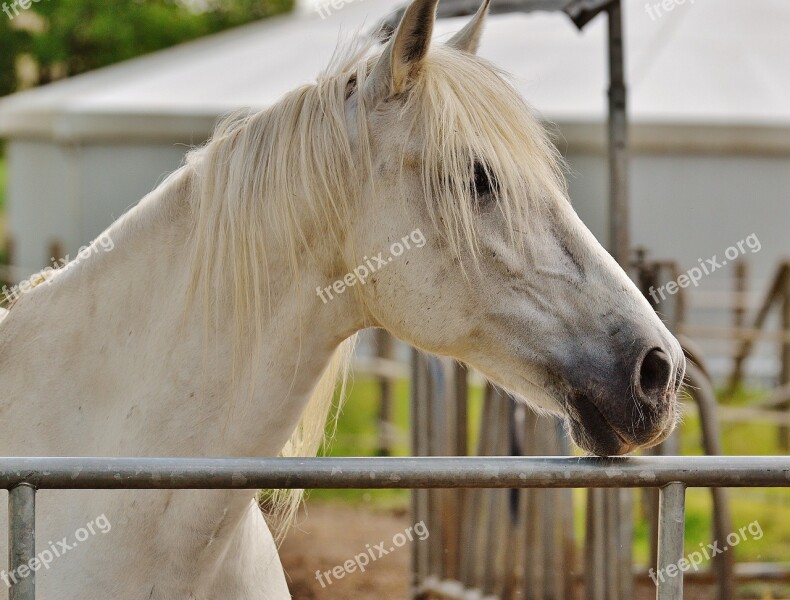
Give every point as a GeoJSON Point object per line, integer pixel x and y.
{"type": "Point", "coordinates": [707, 74]}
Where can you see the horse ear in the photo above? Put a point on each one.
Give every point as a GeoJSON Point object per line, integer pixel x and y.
{"type": "Point", "coordinates": [403, 55]}
{"type": "Point", "coordinates": [468, 39]}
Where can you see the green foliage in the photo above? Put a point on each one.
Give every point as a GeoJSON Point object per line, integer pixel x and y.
{"type": "Point", "coordinates": [81, 35]}
{"type": "Point", "coordinates": [11, 43]}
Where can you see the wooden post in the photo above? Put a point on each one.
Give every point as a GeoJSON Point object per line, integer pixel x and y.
{"type": "Point", "coordinates": [472, 535]}
{"type": "Point", "coordinates": [10, 249]}
{"type": "Point", "coordinates": [384, 350]}
{"type": "Point", "coordinates": [775, 292]}
{"type": "Point", "coordinates": [680, 298]}
{"type": "Point", "coordinates": [419, 395]}
{"type": "Point", "coordinates": [784, 377]}
{"type": "Point", "coordinates": [739, 305]}
{"type": "Point", "coordinates": [56, 252]}
{"type": "Point", "coordinates": [596, 566]}
{"type": "Point", "coordinates": [461, 402]}
{"type": "Point", "coordinates": [455, 437]}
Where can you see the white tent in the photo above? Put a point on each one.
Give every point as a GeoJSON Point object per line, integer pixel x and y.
{"type": "Point", "coordinates": [709, 105]}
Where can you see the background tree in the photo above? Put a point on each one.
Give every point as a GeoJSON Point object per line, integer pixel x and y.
{"type": "Point", "coordinates": [68, 37]}
{"type": "Point", "coordinates": [12, 43]}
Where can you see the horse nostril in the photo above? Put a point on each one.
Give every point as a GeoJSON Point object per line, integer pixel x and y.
{"type": "Point", "coordinates": [655, 374]}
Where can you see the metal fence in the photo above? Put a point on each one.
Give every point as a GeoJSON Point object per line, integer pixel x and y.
{"type": "Point", "coordinates": [23, 476]}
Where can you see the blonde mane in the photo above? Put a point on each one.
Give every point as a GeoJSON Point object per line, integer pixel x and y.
{"type": "Point", "coordinates": [269, 184]}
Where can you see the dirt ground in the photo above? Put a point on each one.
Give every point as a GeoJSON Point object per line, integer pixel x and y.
{"type": "Point", "coordinates": [330, 534]}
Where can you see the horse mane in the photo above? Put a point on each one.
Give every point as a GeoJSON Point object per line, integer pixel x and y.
{"type": "Point", "coordinates": [249, 204]}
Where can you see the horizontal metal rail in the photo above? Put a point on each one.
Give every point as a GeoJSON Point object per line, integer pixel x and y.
{"type": "Point", "coordinates": [23, 476]}
{"type": "Point", "coordinates": [371, 473]}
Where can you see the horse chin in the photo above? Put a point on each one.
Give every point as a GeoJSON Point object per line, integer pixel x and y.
{"type": "Point", "coordinates": [592, 432]}
{"type": "Point", "coordinates": [599, 441]}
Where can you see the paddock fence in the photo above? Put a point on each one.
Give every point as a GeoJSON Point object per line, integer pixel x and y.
{"type": "Point", "coordinates": [22, 477]}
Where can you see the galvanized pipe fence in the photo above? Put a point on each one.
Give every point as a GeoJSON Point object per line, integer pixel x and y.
{"type": "Point", "coordinates": [671, 475]}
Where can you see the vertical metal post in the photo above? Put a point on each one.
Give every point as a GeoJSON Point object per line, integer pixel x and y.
{"type": "Point", "coordinates": [703, 393]}
{"type": "Point", "coordinates": [21, 542]}
{"type": "Point", "coordinates": [619, 238]}
{"type": "Point", "coordinates": [671, 529]}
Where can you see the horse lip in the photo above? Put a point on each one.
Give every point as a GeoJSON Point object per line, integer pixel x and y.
{"type": "Point", "coordinates": [628, 447]}
{"type": "Point", "coordinates": [592, 412]}
{"type": "Point", "coordinates": [661, 435]}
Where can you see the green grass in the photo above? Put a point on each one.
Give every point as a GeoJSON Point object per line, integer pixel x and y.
{"type": "Point", "coordinates": [357, 436]}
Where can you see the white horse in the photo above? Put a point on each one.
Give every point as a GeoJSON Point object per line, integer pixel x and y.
{"type": "Point", "coordinates": [216, 326]}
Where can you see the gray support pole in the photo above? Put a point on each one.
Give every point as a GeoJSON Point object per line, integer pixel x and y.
{"type": "Point", "coordinates": [671, 526]}
{"type": "Point", "coordinates": [703, 393]}
{"type": "Point", "coordinates": [619, 238]}
{"type": "Point", "coordinates": [615, 547]}
{"type": "Point", "coordinates": [21, 542]}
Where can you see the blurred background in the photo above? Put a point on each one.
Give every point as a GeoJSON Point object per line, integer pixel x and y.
{"type": "Point", "coordinates": [101, 100]}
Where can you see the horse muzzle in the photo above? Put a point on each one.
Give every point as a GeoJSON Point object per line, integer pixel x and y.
{"type": "Point", "coordinates": [639, 412]}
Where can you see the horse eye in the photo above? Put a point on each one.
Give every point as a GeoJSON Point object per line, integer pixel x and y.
{"type": "Point", "coordinates": [351, 86]}
{"type": "Point", "coordinates": [485, 184]}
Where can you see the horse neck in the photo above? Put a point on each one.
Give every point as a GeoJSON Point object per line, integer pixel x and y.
{"type": "Point", "coordinates": [127, 354]}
